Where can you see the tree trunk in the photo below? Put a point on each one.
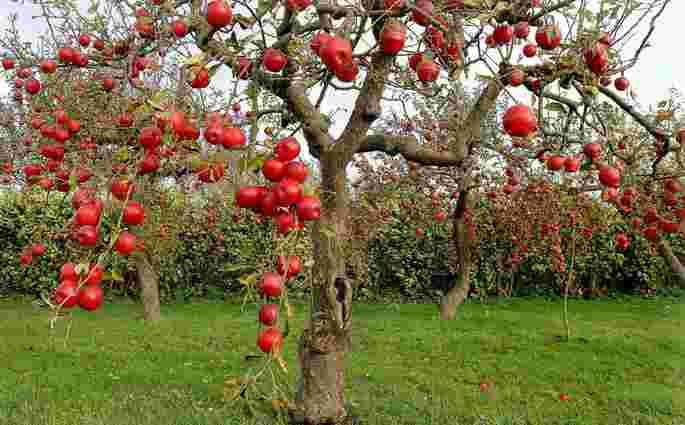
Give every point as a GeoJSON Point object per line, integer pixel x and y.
{"type": "Point", "coordinates": [323, 347]}
{"type": "Point", "coordinates": [460, 261]}
{"type": "Point", "coordinates": [676, 266]}
{"type": "Point", "coordinates": [149, 287]}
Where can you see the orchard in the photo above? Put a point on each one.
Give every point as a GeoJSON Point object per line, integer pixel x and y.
{"type": "Point", "coordinates": [320, 153]}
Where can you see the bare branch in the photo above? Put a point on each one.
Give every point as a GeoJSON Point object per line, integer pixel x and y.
{"type": "Point", "coordinates": [410, 149]}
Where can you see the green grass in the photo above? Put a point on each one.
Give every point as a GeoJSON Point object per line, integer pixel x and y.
{"type": "Point", "coordinates": [625, 365]}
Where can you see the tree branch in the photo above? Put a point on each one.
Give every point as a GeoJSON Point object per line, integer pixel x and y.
{"type": "Point", "coordinates": [409, 148]}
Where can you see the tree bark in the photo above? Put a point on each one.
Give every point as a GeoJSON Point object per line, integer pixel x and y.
{"type": "Point", "coordinates": [149, 287]}
{"type": "Point", "coordinates": [460, 259]}
{"type": "Point", "coordinates": [677, 267]}
{"type": "Point", "coordinates": [323, 347]}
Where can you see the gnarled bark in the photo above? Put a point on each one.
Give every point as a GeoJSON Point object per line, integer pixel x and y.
{"type": "Point", "coordinates": [460, 260]}
{"type": "Point", "coordinates": [676, 266]}
{"type": "Point", "coordinates": [323, 348]}
{"type": "Point", "coordinates": [149, 287]}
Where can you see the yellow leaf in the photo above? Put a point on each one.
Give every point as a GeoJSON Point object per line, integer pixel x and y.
{"type": "Point", "coordinates": [664, 115]}
{"type": "Point", "coordinates": [195, 60]}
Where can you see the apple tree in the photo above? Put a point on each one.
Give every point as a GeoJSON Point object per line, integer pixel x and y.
{"type": "Point", "coordinates": [296, 60]}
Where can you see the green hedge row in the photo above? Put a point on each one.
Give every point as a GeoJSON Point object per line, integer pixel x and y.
{"type": "Point", "coordinates": [213, 261]}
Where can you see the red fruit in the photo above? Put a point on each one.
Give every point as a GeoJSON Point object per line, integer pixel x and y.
{"type": "Point", "coordinates": [84, 40]}
{"type": "Point", "coordinates": [440, 216]}
{"type": "Point", "coordinates": [673, 185]}
{"type": "Point", "coordinates": [150, 137]}
{"type": "Point", "coordinates": [134, 214]}
{"type": "Point", "coordinates": [66, 294]}
{"type": "Point", "coordinates": [219, 14]}
{"type": "Point", "coordinates": [503, 34]}
{"type": "Point", "coordinates": [38, 249]}
{"type": "Point", "coordinates": [268, 314]}
{"type": "Point", "coordinates": [548, 37]}
{"type": "Point", "coordinates": [415, 60]}
{"type": "Point", "coordinates": [530, 50]}
{"type": "Point", "coordinates": [517, 77]}
{"type": "Point", "coordinates": [94, 275]}
{"type": "Point", "coordinates": [392, 37]}
{"type": "Point", "coordinates": [651, 233]}
{"type": "Point", "coordinates": [32, 170]}
{"type": "Point", "coordinates": [621, 83]}
{"type": "Point", "coordinates": [48, 67]}
{"type": "Point", "coordinates": [294, 265]}
{"type": "Point", "coordinates": [522, 29]}
{"type": "Point", "coordinates": [422, 12]}
{"type": "Point", "coordinates": [270, 340]}
{"type": "Point", "coordinates": [555, 163]}
{"type": "Point", "coordinates": [211, 173]}
{"type": "Point", "coordinates": [87, 215]}
{"type": "Point", "coordinates": [319, 39]}
{"type": "Point", "coordinates": [7, 64]}
{"type": "Point", "coordinates": [609, 176]}
{"type": "Point", "coordinates": [597, 59]}
{"type": "Point", "coordinates": [428, 71]}
{"type": "Point", "coordinates": [435, 38]}
{"type": "Point", "coordinates": [126, 243]}
{"type": "Point", "coordinates": [68, 272]}
{"type": "Point", "coordinates": [33, 86]}
{"type": "Point", "coordinates": [125, 120]}
{"type": "Point", "coordinates": [571, 165]}
{"type": "Point", "coordinates": [201, 78]}
{"type": "Point", "coordinates": [669, 226]}
{"type": "Point", "coordinates": [670, 199]}
{"type": "Point", "coordinates": [274, 60]}
{"type": "Point", "coordinates": [622, 241]}
{"type": "Point", "coordinates": [592, 150]}
{"type": "Point", "coordinates": [180, 29]}
{"type": "Point", "coordinates": [26, 259]}
{"type": "Point", "coordinates": [605, 81]}
{"type": "Point", "coordinates": [108, 84]}
{"type": "Point", "coordinates": [99, 44]}
{"type": "Point", "coordinates": [420, 232]}
{"type": "Point", "coordinates": [297, 171]}
{"type": "Point", "coordinates": [285, 222]}
{"type": "Point", "coordinates": [233, 138]}
{"type": "Point", "coordinates": [394, 5]}
{"type": "Point", "coordinates": [564, 397]}
{"type": "Point", "coordinates": [87, 236]}
{"type": "Point", "coordinates": [273, 170]}
{"type": "Point", "coordinates": [90, 297]}
{"type": "Point", "coordinates": [288, 192]}
{"type": "Point", "coordinates": [287, 149]}
{"type": "Point", "coordinates": [214, 134]}
{"type": "Point", "coordinates": [508, 189]}
{"type": "Point", "coordinates": [271, 285]}
{"type": "Point", "coordinates": [249, 196]}
{"type": "Point", "coordinates": [336, 52]}
{"type": "Point", "coordinates": [121, 189]}
{"type": "Point", "coordinates": [347, 72]}
{"type": "Point", "coordinates": [149, 165]}
{"type": "Point", "coordinates": [268, 204]}
{"type": "Point", "coordinates": [309, 208]}
{"type": "Point", "coordinates": [519, 121]}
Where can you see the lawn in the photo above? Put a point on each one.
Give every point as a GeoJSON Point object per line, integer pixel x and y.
{"type": "Point", "coordinates": [624, 365]}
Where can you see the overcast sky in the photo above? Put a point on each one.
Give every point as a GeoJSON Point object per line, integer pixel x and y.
{"type": "Point", "coordinates": [658, 70]}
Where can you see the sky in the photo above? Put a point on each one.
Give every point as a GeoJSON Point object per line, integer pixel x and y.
{"type": "Point", "coordinates": [659, 69]}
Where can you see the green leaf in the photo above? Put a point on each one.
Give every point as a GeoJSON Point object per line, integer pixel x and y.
{"type": "Point", "coordinates": [586, 165]}
{"type": "Point", "coordinates": [556, 106]}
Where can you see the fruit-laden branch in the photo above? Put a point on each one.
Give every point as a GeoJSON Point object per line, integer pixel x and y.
{"type": "Point", "coordinates": [633, 113]}
{"type": "Point", "coordinates": [410, 149]}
